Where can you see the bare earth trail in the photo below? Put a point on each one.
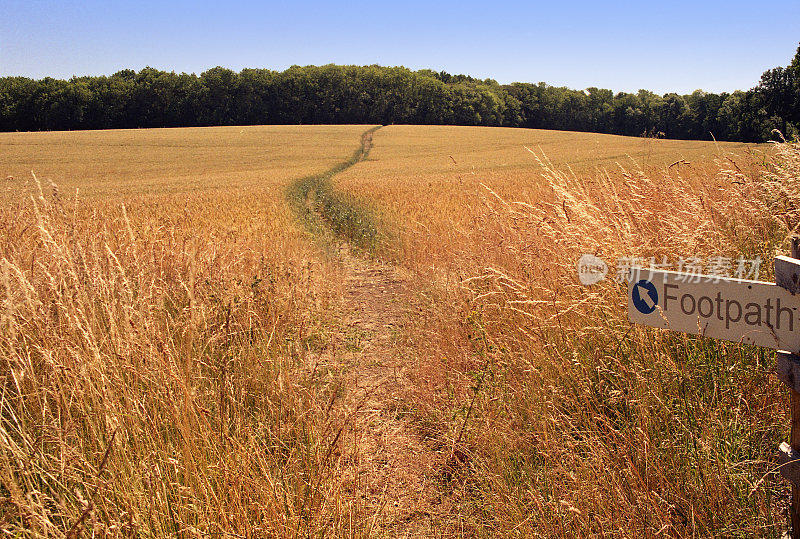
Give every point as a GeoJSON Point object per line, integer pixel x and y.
{"type": "Point", "coordinates": [391, 463]}
{"type": "Point", "coordinates": [388, 462]}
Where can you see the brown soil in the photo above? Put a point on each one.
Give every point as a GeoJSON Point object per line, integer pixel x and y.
{"type": "Point", "coordinates": [388, 467]}
{"type": "Point", "coordinates": [391, 465]}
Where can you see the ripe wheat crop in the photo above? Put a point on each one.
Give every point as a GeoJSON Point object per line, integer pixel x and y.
{"type": "Point", "coordinates": [567, 419]}
{"type": "Point", "coordinates": [164, 304]}
{"type": "Point", "coordinates": [158, 301]}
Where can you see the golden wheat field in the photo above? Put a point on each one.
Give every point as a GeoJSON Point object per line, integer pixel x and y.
{"type": "Point", "coordinates": [432, 179]}
{"type": "Point", "coordinates": [180, 160]}
{"type": "Point", "coordinates": [367, 332]}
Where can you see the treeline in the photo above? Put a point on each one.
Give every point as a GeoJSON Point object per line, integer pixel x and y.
{"type": "Point", "coordinates": [334, 94]}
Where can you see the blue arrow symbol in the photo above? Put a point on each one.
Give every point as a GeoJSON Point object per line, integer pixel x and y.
{"type": "Point", "coordinates": [644, 296]}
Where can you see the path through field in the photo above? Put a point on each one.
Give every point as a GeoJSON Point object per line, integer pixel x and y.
{"type": "Point", "coordinates": [389, 463]}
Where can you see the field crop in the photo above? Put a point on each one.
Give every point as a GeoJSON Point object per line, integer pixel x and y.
{"type": "Point", "coordinates": [153, 330]}
{"type": "Point", "coordinates": [272, 331]}
{"type": "Point", "coordinates": [568, 420]}
{"type": "Point", "coordinates": [452, 166]}
{"type": "Point", "coordinates": [183, 160]}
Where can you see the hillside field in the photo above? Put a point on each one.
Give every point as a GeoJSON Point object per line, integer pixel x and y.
{"type": "Point", "coordinates": [377, 331]}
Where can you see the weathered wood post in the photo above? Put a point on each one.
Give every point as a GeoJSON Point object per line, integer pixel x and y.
{"type": "Point", "coordinates": [739, 310]}
{"type": "Point", "coordinates": [787, 275]}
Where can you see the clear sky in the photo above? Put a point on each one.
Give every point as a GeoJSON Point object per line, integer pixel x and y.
{"type": "Point", "coordinates": [657, 45]}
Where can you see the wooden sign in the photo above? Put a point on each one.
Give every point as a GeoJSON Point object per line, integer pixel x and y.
{"type": "Point", "coordinates": [752, 312]}
{"type": "Point", "coordinates": [739, 310]}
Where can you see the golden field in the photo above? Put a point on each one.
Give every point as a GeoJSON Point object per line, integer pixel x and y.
{"type": "Point", "coordinates": [578, 423]}
{"type": "Point", "coordinates": [169, 336]}
{"type": "Point", "coordinates": [158, 315]}
{"type": "Point", "coordinates": [456, 167]}
{"type": "Point", "coordinates": [180, 160]}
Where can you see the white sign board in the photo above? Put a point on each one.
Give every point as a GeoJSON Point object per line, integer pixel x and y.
{"type": "Point", "coordinates": [751, 312]}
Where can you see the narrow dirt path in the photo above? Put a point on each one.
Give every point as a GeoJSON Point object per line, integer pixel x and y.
{"type": "Point", "coordinates": [392, 464]}
{"type": "Point", "coordinates": [388, 462]}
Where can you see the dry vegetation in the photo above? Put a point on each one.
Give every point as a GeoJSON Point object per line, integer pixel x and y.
{"type": "Point", "coordinates": [120, 163]}
{"type": "Point", "coordinates": [451, 166]}
{"type": "Point", "coordinates": [576, 422]}
{"type": "Point", "coordinates": [159, 359]}
{"type": "Point", "coordinates": [153, 373]}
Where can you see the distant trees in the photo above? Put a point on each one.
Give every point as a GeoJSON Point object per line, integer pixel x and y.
{"type": "Point", "coordinates": [384, 95]}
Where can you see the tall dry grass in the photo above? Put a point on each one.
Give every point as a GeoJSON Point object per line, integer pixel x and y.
{"type": "Point", "coordinates": [155, 374]}
{"type": "Point", "coordinates": [566, 419]}
{"type": "Point", "coordinates": [157, 357]}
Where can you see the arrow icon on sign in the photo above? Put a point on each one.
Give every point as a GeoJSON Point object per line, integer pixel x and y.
{"type": "Point", "coordinates": [644, 295]}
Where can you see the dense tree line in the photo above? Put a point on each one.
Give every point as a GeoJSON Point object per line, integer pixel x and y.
{"type": "Point", "coordinates": [385, 95]}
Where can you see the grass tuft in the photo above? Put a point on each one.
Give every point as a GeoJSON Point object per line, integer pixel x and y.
{"type": "Point", "coordinates": [321, 206]}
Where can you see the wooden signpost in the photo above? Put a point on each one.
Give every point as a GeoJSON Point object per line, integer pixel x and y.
{"type": "Point", "coordinates": [739, 310]}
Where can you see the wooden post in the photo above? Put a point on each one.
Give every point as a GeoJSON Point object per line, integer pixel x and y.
{"type": "Point", "coordinates": [795, 434]}
{"type": "Point", "coordinates": [795, 444]}
{"type": "Point", "coordinates": [788, 366]}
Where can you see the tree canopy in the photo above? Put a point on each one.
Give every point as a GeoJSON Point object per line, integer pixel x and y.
{"type": "Point", "coordinates": [334, 94]}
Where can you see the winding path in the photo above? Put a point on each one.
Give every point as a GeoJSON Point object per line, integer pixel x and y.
{"type": "Point", "coordinates": [390, 465]}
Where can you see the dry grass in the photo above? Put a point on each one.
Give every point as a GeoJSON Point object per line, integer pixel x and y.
{"type": "Point", "coordinates": [574, 422]}
{"type": "Point", "coordinates": [154, 374]}
{"type": "Point", "coordinates": [155, 356]}
{"type": "Point", "coordinates": [120, 163]}
{"type": "Point", "coordinates": [430, 179]}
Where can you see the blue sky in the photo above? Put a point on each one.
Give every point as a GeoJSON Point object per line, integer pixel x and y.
{"type": "Point", "coordinates": [661, 46]}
